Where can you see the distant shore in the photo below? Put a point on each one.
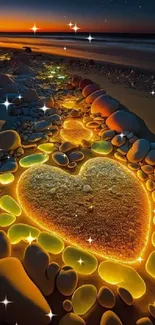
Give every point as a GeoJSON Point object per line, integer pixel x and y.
{"type": "Point", "coordinates": [131, 86]}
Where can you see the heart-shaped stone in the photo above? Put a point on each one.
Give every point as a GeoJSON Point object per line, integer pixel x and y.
{"type": "Point", "coordinates": [105, 201]}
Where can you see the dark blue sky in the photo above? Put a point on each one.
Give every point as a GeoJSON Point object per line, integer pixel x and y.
{"type": "Point", "coordinates": [101, 15]}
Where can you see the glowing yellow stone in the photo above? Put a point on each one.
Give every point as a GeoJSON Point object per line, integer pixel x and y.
{"type": "Point", "coordinates": [6, 219]}
{"type": "Point", "coordinates": [82, 261]}
{"type": "Point", "coordinates": [6, 178]}
{"type": "Point", "coordinates": [8, 204]}
{"type": "Point", "coordinates": [84, 298]}
{"type": "Point", "coordinates": [46, 147]}
{"type": "Point", "coordinates": [68, 103]}
{"type": "Point", "coordinates": [123, 276]}
{"type": "Point", "coordinates": [150, 264]}
{"type": "Point", "coordinates": [74, 131]}
{"type": "Point", "coordinates": [153, 239]}
{"type": "Point", "coordinates": [31, 160]}
{"type": "Point", "coordinates": [21, 231]}
{"type": "Point", "coordinates": [51, 243]}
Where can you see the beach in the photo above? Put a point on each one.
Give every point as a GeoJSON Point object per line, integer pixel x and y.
{"type": "Point", "coordinates": [69, 167]}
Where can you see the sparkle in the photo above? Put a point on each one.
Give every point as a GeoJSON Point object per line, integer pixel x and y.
{"type": "Point", "coordinates": [7, 103]}
{"type": "Point", "coordinates": [90, 240]}
{"type": "Point", "coordinates": [122, 135]}
{"type": "Point", "coordinates": [140, 259]}
{"type": "Point", "coordinates": [70, 24]}
{"type": "Point", "coordinates": [44, 108]}
{"type": "Point", "coordinates": [80, 261]}
{"type": "Point", "coordinates": [90, 38]}
{"type": "Point", "coordinates": [152, 92]}
{"type": "Point", "coordinates": [65, 48]}
{"type": "Point", "coordinates": [34, 28]}
{"type": "Point", "coordinates": [51, 315]}
{"type": "Point", "coordinates": [19, 97]}
{"type": "Point", "coordinates": [6, 302]}
{"type": "Point", "coordinates": [30, 239]}
{"type": "Point", "coordinates": [75, 28]}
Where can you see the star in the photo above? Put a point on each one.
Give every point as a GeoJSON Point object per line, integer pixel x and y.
{"type": "Point", "coordinates": [6, 302]}
{"type": "Point", "coordinates": [90, 240]}
{"type": "Point", "coordinates": [30, 239]}
{"type": "Point", "coordinates": [7, 103]}
{"type": "Point", "coordinates": [121, 135]}
{"type": "Point", "coordinates": [19, 96]}
{"type": "Point", "coordinates": [90, 38]}
{"type": "Point", "coordinates": [139, 259]}
{"type": "Point", "coordinates": [50, 315]}
{"type": "Point", "coordinates": [70, 24]}
{"type": "Point", "coordinates": [152, 92]}
{"type": "Point", "coordinates": [80, 261]}
{"type": "Point", "coordinates": [34, 28]}
{"type": "Point", "coordinates": [75, 28]}
{"type": "Point", "coordinates": [44, 108]}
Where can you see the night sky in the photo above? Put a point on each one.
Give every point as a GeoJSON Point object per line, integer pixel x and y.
{"type": "Point", "coordinates": [89, 15]}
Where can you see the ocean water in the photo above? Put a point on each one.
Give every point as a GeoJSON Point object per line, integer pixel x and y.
{"type": "Point", "coordinates": [136, 50]}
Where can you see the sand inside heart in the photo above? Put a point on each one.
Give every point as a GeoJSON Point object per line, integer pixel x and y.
{"type": "Point", "coordinates": [105, 201]}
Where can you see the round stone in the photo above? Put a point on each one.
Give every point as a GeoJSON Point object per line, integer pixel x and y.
{"type": "Point", "coordinates": [150, 264]}
{"type": "Point", "coordinates": [67, 280]}
{"type": "Point", "coordinates": [138, 151]}
{"type": "Point", "coordinates": [6, 219]}
{"type": "Point", "coordinates": [8, 204]}
{"type": "Point", "coordinates": [151, 309]}
{"type": "Point", "coordinates": [71, 319]}
{"type": "Point", "coordinates": [85, 82]}
{"type": "Point", "coordinates": [5, 245]}
{"type": "Point", "coordinates": [118, 140]}
{"type": "Point", "coordinates": [89, 89]}
{"type": "Point", "coordinates": [147, 169]}
{"type": "Point", "coordinates": [141, 175]}
{"type": "Point", "coordinates": [76, 156]}
{"type": "Point", "coordinates": [9, 140]}
{"type": "Point", "coordinates": [34, 159]}
{"type": "Point", "coordinates": [134, 166]}
{"type": "Point", "coordinates": [110, 318]}
{"type": "Point", "coordinates": [60, 158]}
{"type": "Point", "coordinates": [6, 178]}
{"type": "Point", "coordinates": [90, 99]}
{"type": "Point", "coordinates": [50, 242]}
{"type": "Point", "coordinates": [84, 298]}
{"type": "Point", "coordinates": [108, 135]}
{"type": "Point", "coordinates": [46, 147]}
{"type": "Point", "coordinates": [67, 305]}
{"type": "Point", "coordinates": [144, 321]}
{"type": "Point", "coordinates": [106, 298]}
{"type": "Point", "coordinates": [150, 158]}
{"type": "Point", "coordinates": [82, 261]}
{"type": "Point", "coordinates": [121, 121]}
{"type": "Point", "coordinates": [102, 147]}
{"type": "Point", "coordinates": [21, 231]}
{"type": "Point", "coordinates": [104, 105]}
{"type": "Point", "coordinates": [124, 276]}
{"type": "Point", "coordinates": [67, 146]}
{"type": "Point", "coordinates": [125, 296]}
{"type": "Point", "coordinates": [150, 185]}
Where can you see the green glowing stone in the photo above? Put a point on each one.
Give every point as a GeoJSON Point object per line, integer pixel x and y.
{"type": "Point", "coordinates": [21, 231]}
{"type": "Point", "coordinates": [46, 147]}
{"type": "Point", "coordinates": [8, 204]}
{"type": "Point", "coordinates": [6, 178]}
{"type": "Point", "coordinates": [84, 298]}
{"type": "Point", "coordinates": [102, 147]}
{"type": "Point", "coordinates": [6, 219]}
{"type": "Point", "coordinates": [50, 243]}
{"type": "Point", "coordinates": [38, 158]}
{"type": "Point", "coordinates": [82, 261]}
{"type": "Point", "coordinates": [150, 264]}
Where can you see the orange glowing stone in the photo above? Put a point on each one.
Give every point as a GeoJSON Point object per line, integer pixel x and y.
{"type": "Point", "coordinates": [119, 222]}
{"type": "Point", "coordinates": [74, 131]}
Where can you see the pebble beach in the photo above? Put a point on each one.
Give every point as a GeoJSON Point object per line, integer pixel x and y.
{"type": "Point", "coordinates": [77, 191]}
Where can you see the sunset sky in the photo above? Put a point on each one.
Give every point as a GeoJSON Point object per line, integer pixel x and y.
{"type": "Point", "coordinates": [89, 15]}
